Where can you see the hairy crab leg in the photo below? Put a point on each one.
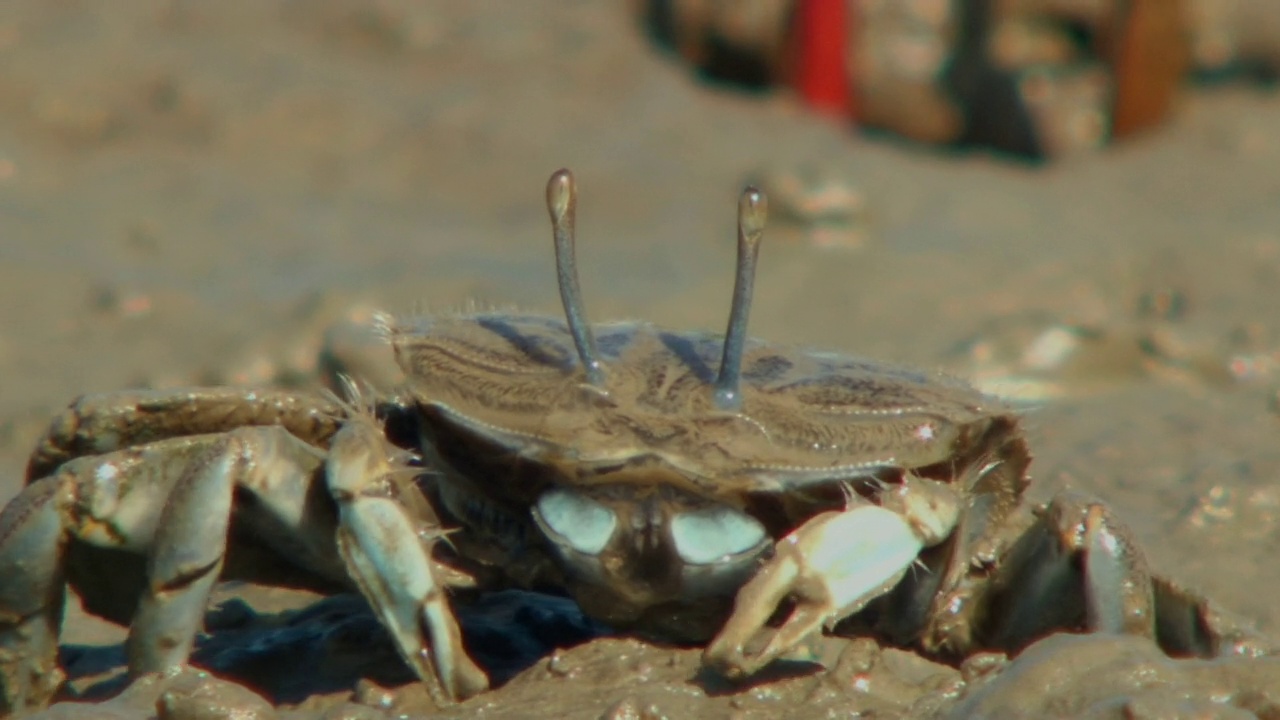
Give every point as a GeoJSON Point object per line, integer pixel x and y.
{"type": "Point", "coordinates": [189, 548]}
{"type": "Point", "coordinates": [169, 501]}
{"type": "Point", "coordinates": [1075, 567]}
{"type": "Point", "coordinates": [102, 423]}
{"type": "Point", "coordinates": [114, 501]}
{"type": "Point", "coordinates": [31, 598]}
{"type": "Point", "coordinates": [386, 535]}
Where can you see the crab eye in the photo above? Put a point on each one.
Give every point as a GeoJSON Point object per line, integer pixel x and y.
{"type": "Point", "coordinates": [577, 521]}
{"type": "Point", "coordinates": [714, 535]}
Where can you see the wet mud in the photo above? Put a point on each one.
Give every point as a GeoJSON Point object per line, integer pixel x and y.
{"type": "Point", "coordinates": [192, 193]}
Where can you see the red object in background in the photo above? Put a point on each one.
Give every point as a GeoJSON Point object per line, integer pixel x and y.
{"type": "Point", "coordinates": [821, 74]}
{"type": "Point", "coordinates": [1149, 55]}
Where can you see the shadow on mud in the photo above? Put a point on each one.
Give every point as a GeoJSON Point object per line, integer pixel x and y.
{"type": "Point", "coordinates": [335, 642]}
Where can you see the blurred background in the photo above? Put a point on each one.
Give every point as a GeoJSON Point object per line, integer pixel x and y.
{"type": "Point", "coordinates": [1039, 79]}
{"type": "Point", "coordinates": [193, 192]}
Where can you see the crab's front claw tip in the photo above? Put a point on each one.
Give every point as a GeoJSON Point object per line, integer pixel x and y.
{"type": "Point", "coordinates": [460, 677]}
{"type": "Point", "coordinates": [830, 567]}
{"type": "Point", "coordinates": [387, 551]}
{"type": "Point", "coordinates": [755, 604]}
{"type": "Point", "coordinates": [386, 557]}
{"type": "Point", "coordinates": [469, 682]}
{"type": "Point", "coordinates": [726, 658]}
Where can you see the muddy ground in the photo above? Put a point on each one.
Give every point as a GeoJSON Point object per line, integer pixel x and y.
{"type": "Point", "coordinates": [189, 192]}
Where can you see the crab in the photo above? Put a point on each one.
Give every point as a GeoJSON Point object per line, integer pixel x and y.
{"type": "Point", "coordinates": [689, 486]}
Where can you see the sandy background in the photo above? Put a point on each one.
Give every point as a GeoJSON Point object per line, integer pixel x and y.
{"type": "Point", "coordinates": [190, 191]}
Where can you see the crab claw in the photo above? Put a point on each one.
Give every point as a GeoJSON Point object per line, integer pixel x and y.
{"type": "Point", "coordinates": [831, 566]}
{"type": "Point", "coordinates": [387, 550]}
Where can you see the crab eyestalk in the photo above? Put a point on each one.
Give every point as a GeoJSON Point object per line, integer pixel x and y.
{"type": "Point", "coordinates": [562, 202]}
{"type": "Point", "coordinates": [752, 210]}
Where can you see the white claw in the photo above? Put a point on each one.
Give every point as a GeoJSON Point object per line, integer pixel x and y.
{"type": "Point", "coordinates": [390, 563]}
{"type": "Point", "coordinates": [388, 556]}
{"type": "Point", "coordinates": [858, 554]}
{"type": "Point", "coordinates": [831, 566]}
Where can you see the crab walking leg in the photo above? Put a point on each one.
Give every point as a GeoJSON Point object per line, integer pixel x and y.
{"type": "Point", "coordinates": [99, 424]}
{"type": "Point", "coordinates": [1118, 591]}
{"type": "Point", "coordinates": [189, 547]}
{"type": "Point", "coordinates": [170, 501]}
{"type": "Point", "coordinates": [386, 538]}
{"type": "Point", "coordinates": [185, 561]}
{"type": "Point", "coordinates": [112, 501]}
{"type": "Point", "coordinates": [831, 566]}
{"type": "Point", "coordinates": [1080, 560]}
{"type": "Point", "coordinates": [31, 597]}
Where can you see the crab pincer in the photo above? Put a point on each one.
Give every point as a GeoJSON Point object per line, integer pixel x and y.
{"type": "Point", "coordinates": [386, 534]}
{"type": "Point", "coordinates": [830, 568]}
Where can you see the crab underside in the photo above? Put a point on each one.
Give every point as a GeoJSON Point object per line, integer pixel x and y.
{"type": "Point", "coordinates": [748, 507]}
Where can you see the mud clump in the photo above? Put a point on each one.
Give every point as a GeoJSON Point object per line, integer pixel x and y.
{"type": "Point", "coordinates": [185, 694]}
{"type": "Point", "coordinates": [207, 698]}
{"type": "Point", "coordinates": [1123, 677]}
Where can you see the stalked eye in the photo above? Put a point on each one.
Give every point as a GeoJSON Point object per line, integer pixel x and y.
{"type": "Point", "coordinates": [714, 535]}
{"type": "Point", "coordinates": [575, 520]}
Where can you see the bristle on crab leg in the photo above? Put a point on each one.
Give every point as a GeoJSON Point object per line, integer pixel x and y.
{"type": "Point", "coordinates": [831, 567]}
{"type": "Point", "coordinates": [388, 554]}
